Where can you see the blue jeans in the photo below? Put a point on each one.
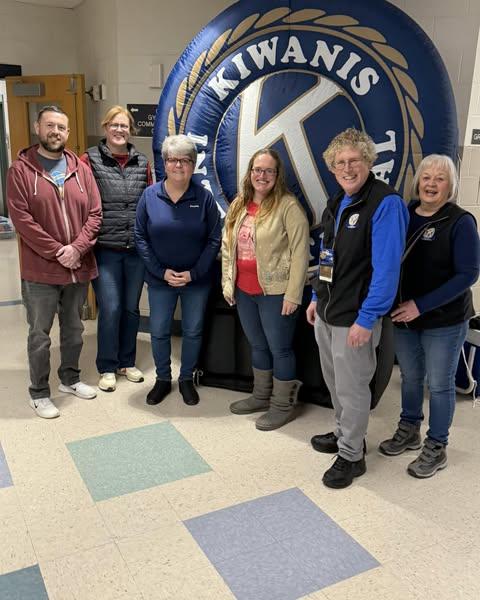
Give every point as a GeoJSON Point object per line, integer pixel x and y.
{"type": "Point", "coordinates": [270, 334]}
{"type": "Point", "coordinates": [163, 300]}
{"type": "Point", "coordinates": [118, 289]}
{"type": "Point", "coordinates": [434, 353]}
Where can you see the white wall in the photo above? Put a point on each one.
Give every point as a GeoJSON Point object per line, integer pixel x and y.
{"type": "Point", "coordinates": [470, 172]}
{"type": "Point", "coordinates": [96, 22]}
{"type": "Point", "coordinates": [42, 40]}
{"type": "Point", "coordinates": [125, 39]}
{"type": "Point", "coordinates": [452, 25]}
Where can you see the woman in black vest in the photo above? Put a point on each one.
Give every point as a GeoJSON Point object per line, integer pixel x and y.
{"type": "Point", "coordinates": [121, 173]}
{"type": "Point", "coordinates": [440, 263]}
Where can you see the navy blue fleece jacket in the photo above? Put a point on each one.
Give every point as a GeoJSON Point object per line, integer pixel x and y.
{"type": "Point", "coordinates": [183, 235]}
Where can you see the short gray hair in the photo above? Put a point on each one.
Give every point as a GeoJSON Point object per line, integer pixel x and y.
{"type": "Point", "coordinates": [179, 145]}
{"type": "Point", "coordinates": [351, 138]}
{"type": "Point", "coordinates": [441, 161]}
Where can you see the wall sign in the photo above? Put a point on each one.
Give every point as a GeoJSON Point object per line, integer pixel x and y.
{"type": "Point", "coordinates": [291, 75]}
{"type": "Point", "coordinates": [475, 136]}
{"type": "Point", "coordinates": [144, 117]}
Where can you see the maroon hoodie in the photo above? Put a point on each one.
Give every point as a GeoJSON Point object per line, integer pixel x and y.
{"type": "Point", "coordinates": [47, 219]}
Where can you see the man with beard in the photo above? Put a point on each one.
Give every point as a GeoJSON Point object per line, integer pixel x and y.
{"type": "Point", "coordinates": [55, 206]}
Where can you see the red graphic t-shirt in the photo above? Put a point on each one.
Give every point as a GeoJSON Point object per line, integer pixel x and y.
{"type": "Point", "coordinates": [247, 279]}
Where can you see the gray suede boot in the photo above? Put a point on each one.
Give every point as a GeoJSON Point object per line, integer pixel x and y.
{"type": "Point", "coordinates": [283, 405]}
{"type": "Point", "coordinates": [260, 398]}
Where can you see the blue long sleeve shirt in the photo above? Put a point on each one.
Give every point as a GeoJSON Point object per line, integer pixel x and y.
{"type": "Point", "coordinates": [183, 235]}
{"type": "Point", "coordinates": [389, 228]}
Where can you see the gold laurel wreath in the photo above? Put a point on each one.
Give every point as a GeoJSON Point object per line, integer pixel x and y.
{"type": "Point", "coordinates": [349, 25]}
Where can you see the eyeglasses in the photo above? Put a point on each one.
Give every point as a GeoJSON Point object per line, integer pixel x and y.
{"type": "Point", "coordinates": [184, 162]}
{"type": "Point", "coordinates": [269, 172]}
{"type": "Point", "coordinates": [120, 126]}
{"type": "Point", "coordinates": [343, 164]}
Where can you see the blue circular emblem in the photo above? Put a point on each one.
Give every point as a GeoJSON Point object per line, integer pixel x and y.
{"type": "Point", "coordinates": [291, 75]}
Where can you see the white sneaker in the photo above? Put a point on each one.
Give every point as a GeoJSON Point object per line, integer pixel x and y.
{"type": "Point", "coordinates": [79, 389]}
{"type": "Point", "coordinates": [44, 408]}
{"type": "Point", "coordinates": [108, 382]}
{"type": "Point", "coordinates": [132, 374]}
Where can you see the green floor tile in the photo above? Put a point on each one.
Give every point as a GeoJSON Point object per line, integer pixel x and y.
{"type": "Point", "coordinates": [128, 461]}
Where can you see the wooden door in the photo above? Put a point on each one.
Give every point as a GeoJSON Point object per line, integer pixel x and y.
{"type": "Point", "coordinates": [65, 91]}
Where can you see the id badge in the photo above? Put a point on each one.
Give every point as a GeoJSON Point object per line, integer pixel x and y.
{"type": "Point", "coordinates": [325, 272]}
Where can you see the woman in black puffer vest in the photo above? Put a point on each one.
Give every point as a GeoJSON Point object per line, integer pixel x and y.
{"type": "Point", "coordinates": [121, 173]}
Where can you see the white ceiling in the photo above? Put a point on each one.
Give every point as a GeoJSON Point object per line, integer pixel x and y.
{"type": "Point", "coordinates": [57, 3]}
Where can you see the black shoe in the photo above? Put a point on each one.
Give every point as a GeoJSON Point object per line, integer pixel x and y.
{"type": "Point", "coordinates": [342, 472]}
{"type": "Point", "coordinates": [189, 393]}
{"type": "Point", "coordinates": [161, 389]}
{"type": "Point", "coordinates": [327, 443]}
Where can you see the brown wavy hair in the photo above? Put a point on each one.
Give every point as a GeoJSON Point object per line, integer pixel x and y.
{"type": "Point", "coordinates": [245, 195]}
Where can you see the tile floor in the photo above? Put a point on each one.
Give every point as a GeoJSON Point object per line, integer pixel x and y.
{"type": "Point", "coordinates": [116, 500]}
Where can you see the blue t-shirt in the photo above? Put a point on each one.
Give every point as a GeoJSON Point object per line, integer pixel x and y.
{"type": "Point", "coordinates": [56, 167]}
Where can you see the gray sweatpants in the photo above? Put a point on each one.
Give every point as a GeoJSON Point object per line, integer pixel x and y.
{"type": "Point", "coordinates": [42, 301]}
{"type": "Point", "coordinates": [347, 373]}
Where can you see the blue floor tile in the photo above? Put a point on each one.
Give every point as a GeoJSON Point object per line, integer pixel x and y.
{"type": "Point", "coordinates": [268, 573]}
{"type": "Point", "coordinates": [329, 557]}
{"type": "Point", "coordinates": [281, 546]}
{"type": "Point", "coordinates": [26, 584]}
{"type": "Point", "coordinates": [5, 477]}
{"type": "Point", "coordinates": [128, 461]}
{"type": "Point", "coordinates": [224, 535]}
{"type": "Point", "coordinates": [275, 513]}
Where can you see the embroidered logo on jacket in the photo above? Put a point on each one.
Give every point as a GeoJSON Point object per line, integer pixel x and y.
{"type": "Point", "coordinates": [429, 234]}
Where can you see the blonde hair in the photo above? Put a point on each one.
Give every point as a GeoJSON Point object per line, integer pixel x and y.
{"type": "Point", "coordinates": [441, 161]}
{"type": "Point", "coordinates": [246, 193]}
{"type": "Point", "coordinates": [350, 138]}
{"type": "Point", "coordinates": [119, 110]}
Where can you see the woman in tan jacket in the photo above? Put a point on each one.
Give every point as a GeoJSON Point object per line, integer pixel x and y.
{"type": "Point", "coordinates": [265, 252]}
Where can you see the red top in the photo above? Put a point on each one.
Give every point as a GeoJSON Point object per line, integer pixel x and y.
{"type": "Point", "coordinates": [247, 278]}
{"type": "Point", "coordinates": [122, 161]}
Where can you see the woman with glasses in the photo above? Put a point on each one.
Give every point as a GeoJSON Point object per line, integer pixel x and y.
{"type": "Point", "coordinates": [178, 229]}
{"type": "Point", "coordinates": [121, 173]}
{"type": "Point", "coordinates": [265, 252]}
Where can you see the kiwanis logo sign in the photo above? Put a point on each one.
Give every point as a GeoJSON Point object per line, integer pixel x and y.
{"type": "Point", "coordinates": [291, 75]}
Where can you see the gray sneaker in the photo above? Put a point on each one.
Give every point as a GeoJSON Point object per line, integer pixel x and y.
{"type": "Point", "coordinates": [407, 437]}
{"type": "Point", "coordinates": [431, 459]}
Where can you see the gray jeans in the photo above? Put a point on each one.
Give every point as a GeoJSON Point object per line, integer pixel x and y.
{"type": "Point", "coordinates": [42, 301]}
{"type": "Point", "coordinates": [347, 373]}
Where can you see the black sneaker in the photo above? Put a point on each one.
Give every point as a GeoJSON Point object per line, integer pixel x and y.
{"type": "Point", "coordinates": [328, 443]}
{"type": "Point", "coordinates": [189, 393]}
{"type": "Point", "coordinates": [407, 437]}
{"type": "Point", "coordinates": [325, 442]}
{"type": "Point", "coordinates": [161, 389]}
{"type": "Point", "coordinates": [342, 472]}
{"type": "Point", "coordinates": [431, 459]}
